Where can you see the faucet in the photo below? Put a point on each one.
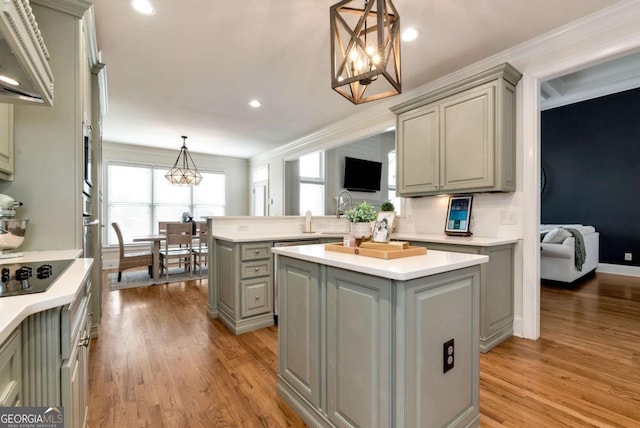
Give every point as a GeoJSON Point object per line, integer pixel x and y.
{"type": "Point", "coordinates": [339, 201]}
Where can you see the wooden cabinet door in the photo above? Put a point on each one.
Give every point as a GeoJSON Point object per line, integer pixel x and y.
{"type": "Point", "coordinates": [439, 309]}
{"type": "Point", "coordinates": [299, 349]}
{"type": "Point", "coordinates": [467, 127]}
{"type": "Point", "coordinates": [225, 277]}
{"type": "Point", "coordinates": [11, 371]}
{"type": "Point", "coordinates": [358, 349]}
{"type": "Point", "coordinates": [418, 151]}
{"type": "Point", "coordinates": [6, 140]}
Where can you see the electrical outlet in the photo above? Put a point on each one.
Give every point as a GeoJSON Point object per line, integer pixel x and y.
{"type": "Point", "coordinates": [628, 257]}
{"type": "Point", "coordinates": [508, 218]}
{"type": "Point", "coordinates": [448, 355]}
{"type": "Point", "coordinates": [243, 228]}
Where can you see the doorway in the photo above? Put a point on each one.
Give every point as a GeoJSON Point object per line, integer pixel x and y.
{"type": "Point", "coordinates": [596, 49]}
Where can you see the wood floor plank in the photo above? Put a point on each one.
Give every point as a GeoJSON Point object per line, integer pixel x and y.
{"type": "Point", "coordinates": [161, 362]}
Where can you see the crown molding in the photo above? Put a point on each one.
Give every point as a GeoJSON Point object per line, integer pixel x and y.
{"type": "Point", "coordinates": [76, 8]}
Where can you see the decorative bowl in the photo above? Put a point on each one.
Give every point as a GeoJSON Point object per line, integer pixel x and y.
{"type": "Point", "coordinates": [12, 232]}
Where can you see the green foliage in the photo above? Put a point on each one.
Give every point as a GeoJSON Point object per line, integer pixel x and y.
{"type": "Point", "coordinates": [186, 216]}
{"type": "Point", "coordinates": [387, 206]}
{"type": "Point", "coordinates": [361, 213]}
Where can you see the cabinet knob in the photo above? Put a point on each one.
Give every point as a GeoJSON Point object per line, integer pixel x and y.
{"type": "Point", "coordinates": [257, 251]}
{"type": "Point", "coordinates": [85, 340]}
{"type": "Point", "coordinates": [257, 269]}
{"type": "Point", "coordinates": [257, 297]}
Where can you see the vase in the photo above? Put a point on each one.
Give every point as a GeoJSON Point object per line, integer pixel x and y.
{"type": "Point", "coordinates": [361, 230]}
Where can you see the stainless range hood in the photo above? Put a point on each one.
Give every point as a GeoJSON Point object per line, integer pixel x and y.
{"type": "Point", "coordinates": [25, 75]}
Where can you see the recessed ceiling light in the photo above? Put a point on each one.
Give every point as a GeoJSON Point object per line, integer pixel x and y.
{"type": "Point", "coordinates": [145, 7]}
{"type": "Point", "coordinates": [9, 80]}
{"type": "Point", "coordinates": [254, 103]}
{"type": "Point", "coordinates": [410, 34]}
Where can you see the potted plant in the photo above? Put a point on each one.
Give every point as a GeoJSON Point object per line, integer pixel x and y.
{"type": "Point", "coordinates": [360, 218]}
{"type": "Point", "coordinates": [188, 218]}
{"type": "Point", "coordinates": [387, 206]}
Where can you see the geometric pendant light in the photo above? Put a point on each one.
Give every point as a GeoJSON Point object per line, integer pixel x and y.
{"type": "Point", "coordinates": [365, 49]}
{"type": "Point", "coordinates": [184, 173]}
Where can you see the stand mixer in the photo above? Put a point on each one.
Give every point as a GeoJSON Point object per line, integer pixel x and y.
{"type": "Point", "coordinates": [12, 230]}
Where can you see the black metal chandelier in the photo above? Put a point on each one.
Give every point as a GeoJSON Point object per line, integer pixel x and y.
{"type": "Point", "coordinates": [365, 44]}
{"type": "Point", "coordinates": [184, 172]}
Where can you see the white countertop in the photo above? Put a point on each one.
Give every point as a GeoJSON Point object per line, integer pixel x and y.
{"type": "Point", "coordinates": [14, 309]}
{"type": "Point", "coordinates": [401, 269]}
{"type": "Point", "coordinates": [276, 236]}
{"type": "Point", "coordinates": [474, 241]}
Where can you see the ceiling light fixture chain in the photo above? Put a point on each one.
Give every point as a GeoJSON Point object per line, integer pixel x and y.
{"type": "Point", "coordinates": [187, 174]}
{"type": "Point", "coordinates": [365, 49]}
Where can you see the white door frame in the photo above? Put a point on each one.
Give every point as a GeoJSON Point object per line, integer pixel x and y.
{"type": "Point", "coordinates": [618, 41]}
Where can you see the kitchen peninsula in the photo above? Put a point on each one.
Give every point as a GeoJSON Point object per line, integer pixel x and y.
{"type": "Point", "coordinates": [370, 342]}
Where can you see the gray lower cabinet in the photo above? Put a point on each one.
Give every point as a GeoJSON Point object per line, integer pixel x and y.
{"type": "Point", "coordinates": [243, 279]}
{"type": "Point", "coordinates": [363, 351]}
{"type": "Point", "coordinates": [496, 290]}
{"type": "Point", "coordinates": [11, 371]}
{"type": "Point", "coordinates": [45, 362]}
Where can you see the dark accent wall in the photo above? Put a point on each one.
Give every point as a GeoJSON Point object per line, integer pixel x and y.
{"type": "Point", "coordinates": [591, 158]}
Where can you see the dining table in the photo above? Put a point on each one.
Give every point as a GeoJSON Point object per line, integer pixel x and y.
{"type": "Point", "coordinates": [156, 240]}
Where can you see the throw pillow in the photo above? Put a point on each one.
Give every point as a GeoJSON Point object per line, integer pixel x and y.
{"type": "Point", "coordinates": [556, 236]}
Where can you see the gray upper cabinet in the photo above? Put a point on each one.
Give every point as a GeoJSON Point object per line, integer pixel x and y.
{"type": "Point", "coordinates": [460, 138]}
{"type": "Point", "coordinates": [6, 142]}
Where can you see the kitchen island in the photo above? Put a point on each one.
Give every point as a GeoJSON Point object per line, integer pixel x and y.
{"type": "Point", "coordinates": [241, 283]}
{"type": "Point", "coordinates": [379, 343]}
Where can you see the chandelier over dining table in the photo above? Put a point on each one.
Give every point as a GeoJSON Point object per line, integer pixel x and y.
{"type": "Point", "coordinates": [365, 45]}
{"type": "Point", "coordinates": [184, 171]}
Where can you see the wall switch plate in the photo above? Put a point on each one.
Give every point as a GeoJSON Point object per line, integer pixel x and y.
{"type": "Point", "coordinates": [243, 228]}
{"type": "Point", "coordinates": [508, 218]}
{"type": "Point", "coordinates": [448, 355]}
{"type": "Point", "coordinates": [628, 257]}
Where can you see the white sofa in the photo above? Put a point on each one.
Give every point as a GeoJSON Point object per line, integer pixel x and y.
{"type": "Point", "coordinates": [557, 258]}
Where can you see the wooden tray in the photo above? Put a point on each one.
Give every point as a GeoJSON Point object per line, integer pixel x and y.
{"type": "Point", "coordinates": [380, 254]}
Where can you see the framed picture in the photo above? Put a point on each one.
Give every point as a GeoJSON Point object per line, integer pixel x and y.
{"type": "Point", "coordinates": [458, 216]}
{"type": "Point", "coordinates": [383, 227]}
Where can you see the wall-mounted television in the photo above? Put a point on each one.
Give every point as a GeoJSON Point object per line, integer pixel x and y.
{"type": "Point", "coordinates": [362, 175]}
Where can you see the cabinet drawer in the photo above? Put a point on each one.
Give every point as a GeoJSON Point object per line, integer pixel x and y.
{"type": "Point", "coordinates": [255, 269]}
{"type": "Point", "coordinates": [73, 318]}
{"type": "Point", "coordinates": [10, 370]}
{"type": "Point", "coordinates": [255, 297]}
{"type": "Point", "coordinates": [255, 251]}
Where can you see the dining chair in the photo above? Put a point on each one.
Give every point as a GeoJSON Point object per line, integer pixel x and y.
{"type": "Point", "coordinates": [177, 234]}
{"type": "Point", "coordinates": [201, 252]}
{"type": "Point", "coordinates": [131, 260]}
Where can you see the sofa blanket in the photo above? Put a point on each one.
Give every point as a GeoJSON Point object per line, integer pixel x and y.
{"type": "Point", "coordinates": [581, 251]}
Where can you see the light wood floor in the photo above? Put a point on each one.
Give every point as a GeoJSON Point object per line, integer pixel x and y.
{"type": "Point", "coordinates": [160, 361]}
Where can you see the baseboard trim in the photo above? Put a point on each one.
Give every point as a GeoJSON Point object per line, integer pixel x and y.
{"type": "Point", "coordinates": [618, 269]}
{"type": "Point", "coordinates": [517, 326]}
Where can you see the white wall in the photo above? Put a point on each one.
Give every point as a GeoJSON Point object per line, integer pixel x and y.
{"type": "Point", "coordinates": [610, 33]}
{"type": "Point", "coordinates": [48, 144]}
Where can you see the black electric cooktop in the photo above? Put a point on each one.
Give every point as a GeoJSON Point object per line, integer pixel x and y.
{"type": "Point", "coordinates": [31, 277]}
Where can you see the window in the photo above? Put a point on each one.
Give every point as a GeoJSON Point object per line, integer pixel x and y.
{"type": "Point", "coordinates": [140, 196]}
{"type": "Point", "coordinates": [391, 172]}
{"type": "Point", "coordinates": [312, 183]}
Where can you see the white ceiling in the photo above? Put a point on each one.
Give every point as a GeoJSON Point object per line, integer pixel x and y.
{"type": "Point", "coordinates": [192, 68]}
